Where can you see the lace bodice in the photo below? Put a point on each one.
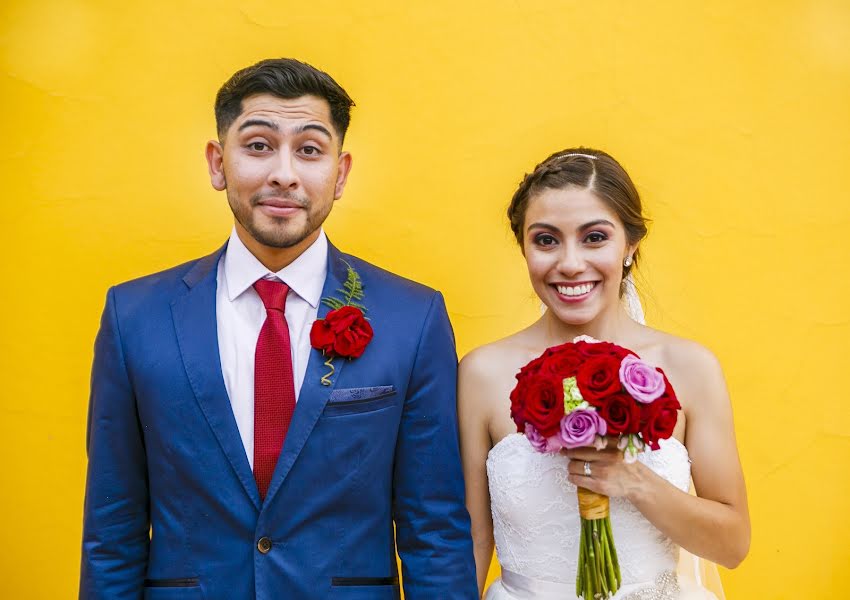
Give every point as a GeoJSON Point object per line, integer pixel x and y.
{"type": "Point", "coordinates": [536, 522]}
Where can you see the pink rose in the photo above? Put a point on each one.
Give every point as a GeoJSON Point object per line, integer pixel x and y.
{"type": "Point", "coordinates": [642, 381]}
{"type": "Point", "coordinates": [580, 428]}
{"type": "Point", "coordinates": [542, 444]}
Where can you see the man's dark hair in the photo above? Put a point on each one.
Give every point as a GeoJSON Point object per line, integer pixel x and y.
{"type": "Point", "coordinates": [285, 78]}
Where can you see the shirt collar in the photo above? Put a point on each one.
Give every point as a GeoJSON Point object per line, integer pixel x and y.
{"type": "Point", "coordinates": [305, 275]}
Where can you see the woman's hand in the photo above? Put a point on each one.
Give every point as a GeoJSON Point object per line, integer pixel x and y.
{"type": "Point", "coordinates": [609, 473]}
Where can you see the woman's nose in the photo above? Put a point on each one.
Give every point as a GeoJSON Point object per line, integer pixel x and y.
{"type": "Point", "coordinates": [571, 262]}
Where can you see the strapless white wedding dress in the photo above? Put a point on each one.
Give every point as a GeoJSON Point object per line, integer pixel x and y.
{"type": "Point", "coordinates": [536, 526]}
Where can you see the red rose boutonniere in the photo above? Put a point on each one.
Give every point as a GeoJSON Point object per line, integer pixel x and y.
{"type": "Point", "coordinates": [344, 332]}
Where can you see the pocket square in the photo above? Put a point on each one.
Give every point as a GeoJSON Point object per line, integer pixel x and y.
{"type": "Point", "coordinates": [360, 394]}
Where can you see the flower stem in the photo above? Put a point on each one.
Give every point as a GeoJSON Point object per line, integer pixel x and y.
{"type": "Point", "coordinates": [598, 570]}
{"type": "Point", "coordinates": [326, 378]}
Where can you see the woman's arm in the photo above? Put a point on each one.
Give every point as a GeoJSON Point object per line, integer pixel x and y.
{"type": "Point", "coordinates": [715, 525]}
{"type": "Point", "coordinates": [474, 446]}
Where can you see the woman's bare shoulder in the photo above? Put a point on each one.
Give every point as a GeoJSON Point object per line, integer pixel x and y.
{"type": "Point", "coordinates": [510, 352]}
{"type": "Point", "coordinates": [489, 371]}
{"type": "Point", "coordinates": [486, 377]}
{"type": "Point", "coordinates": [691, 367]}
{"type": "Point", "coordinates": [688, 356]}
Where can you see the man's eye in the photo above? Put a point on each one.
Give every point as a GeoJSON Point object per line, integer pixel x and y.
{"type": "Point", "coordinates": [310, 150]}
{"type": "Point", "coordinates": [596, 237]}
{"type": "Point", "coordinates": [258, 146]}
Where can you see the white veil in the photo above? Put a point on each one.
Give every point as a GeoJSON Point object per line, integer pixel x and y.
{"type": "Point", "coordinates": [692, 570]}
{"type": "Point", "coordinates": [631, 300]}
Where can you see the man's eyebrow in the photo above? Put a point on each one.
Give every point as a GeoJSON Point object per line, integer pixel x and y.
{"type": "Point", "coordinates": [316, 127]}
{"type": "Point", "coordinates": [259, 123]}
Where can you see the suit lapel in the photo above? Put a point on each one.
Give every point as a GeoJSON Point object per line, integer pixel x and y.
{"type": "Point", "coordinates": [314, 396]}
{"type": "Point", "coordinates": [197, 335]}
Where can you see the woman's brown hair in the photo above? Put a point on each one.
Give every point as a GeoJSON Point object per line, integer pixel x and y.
{"type": "Point", "coordinates": [589, 169]}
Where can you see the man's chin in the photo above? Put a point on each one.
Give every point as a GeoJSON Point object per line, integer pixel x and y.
{"type": "Point", "coordinates": [279, 239]}
{"type": "Point", "coordinates": [278, 233]}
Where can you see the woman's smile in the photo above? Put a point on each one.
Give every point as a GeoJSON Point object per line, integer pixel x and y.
{"type": "Point", "coordinates": [574, 292]}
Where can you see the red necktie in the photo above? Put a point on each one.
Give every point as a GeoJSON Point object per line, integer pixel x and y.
{"type": "Point", "coordinates": [274, 387]}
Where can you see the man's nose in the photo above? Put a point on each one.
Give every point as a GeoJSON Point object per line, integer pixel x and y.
{"type": "Point", "coordinates": [284, 172]}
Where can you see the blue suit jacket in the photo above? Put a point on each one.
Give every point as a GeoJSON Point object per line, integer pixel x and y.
{"type": "Point", "coordinates": [172, 510]}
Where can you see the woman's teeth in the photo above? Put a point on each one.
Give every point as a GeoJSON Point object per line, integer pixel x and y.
{"type": "Point", "coordinates": [575, 290]}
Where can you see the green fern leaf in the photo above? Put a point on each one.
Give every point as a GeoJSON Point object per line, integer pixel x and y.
{"type": "Point", "coordinates": [333, 303]}
{"type": "Point", "coordinates": [353, 287]}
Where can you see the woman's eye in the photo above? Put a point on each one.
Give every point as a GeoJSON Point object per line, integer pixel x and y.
{"type": "Point", "coordinates": [596, 237]}
{"type": "Point", "coordinates": [544, 239]}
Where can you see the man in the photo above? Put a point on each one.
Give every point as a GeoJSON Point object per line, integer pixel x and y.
{"type": "Point", "coordinates": [237, 449]}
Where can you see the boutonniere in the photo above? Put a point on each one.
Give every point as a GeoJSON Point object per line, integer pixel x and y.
{"type": "Point", "coordinates": [344, 332]}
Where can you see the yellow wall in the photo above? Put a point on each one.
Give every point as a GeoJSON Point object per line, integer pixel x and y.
{"type": "Point", "coordinates": [732, 117]}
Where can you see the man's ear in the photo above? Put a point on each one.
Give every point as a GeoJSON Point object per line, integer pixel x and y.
{"type": "Point", "coordinates": [215, 157]}
{"type": "Point", "coordinates": [343, 169]}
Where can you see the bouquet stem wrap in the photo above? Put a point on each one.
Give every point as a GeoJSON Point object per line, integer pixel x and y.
{"type": "Point", "coordinates": [598, 569]}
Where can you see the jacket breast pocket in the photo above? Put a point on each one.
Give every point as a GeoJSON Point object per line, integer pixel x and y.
{"type": "Point", "coordinates": [354, 401]}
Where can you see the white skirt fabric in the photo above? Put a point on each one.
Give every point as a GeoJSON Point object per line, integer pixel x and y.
{"type": "Point", "coordinates": [512, 586]}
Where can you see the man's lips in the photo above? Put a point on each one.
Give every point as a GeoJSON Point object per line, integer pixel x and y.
{"type": "Point", "coordinates": [279, 207]}
{"type": "Point", "coordinates": [280, 202]}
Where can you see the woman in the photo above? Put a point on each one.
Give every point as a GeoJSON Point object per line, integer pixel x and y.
{"type": "Point", "coordinates": [578, 220]}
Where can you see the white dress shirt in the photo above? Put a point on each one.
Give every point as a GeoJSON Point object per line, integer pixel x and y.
{"type": "Point", "coordinates": [240, 315]}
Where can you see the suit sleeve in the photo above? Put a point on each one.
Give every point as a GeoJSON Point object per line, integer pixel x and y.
{"type": "Point", "coordinates": [432, 524]}
{"type": "Point", "coordinates": [116, 521]}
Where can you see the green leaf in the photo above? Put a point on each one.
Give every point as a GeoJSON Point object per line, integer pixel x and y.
{"type": "Point", "coordinates": [351, 292]}
{"type": "Point", "coordinates": [353, 288]}
{"type": "Point", "coordinates": [333, 303]}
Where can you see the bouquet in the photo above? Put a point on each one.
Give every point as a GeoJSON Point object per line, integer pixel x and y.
{"type": "Point", "coordinates": [574, 395]}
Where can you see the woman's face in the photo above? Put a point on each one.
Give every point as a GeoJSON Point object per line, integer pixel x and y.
{"type": "Point", "coordinates": [574, 247]}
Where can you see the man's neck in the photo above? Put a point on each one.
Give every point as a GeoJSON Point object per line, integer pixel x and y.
{"type": "Point", "coordinates": [274, 259]}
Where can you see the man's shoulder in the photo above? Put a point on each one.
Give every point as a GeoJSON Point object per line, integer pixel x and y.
{"type": "Point", "coordinates": [164, 284]}
{"type": "Point", "coordinates": [387, 283]}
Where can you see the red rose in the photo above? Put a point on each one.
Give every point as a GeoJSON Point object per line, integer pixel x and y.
{"type": "Point", "coordinates": [599, 377]}
{"type": "Point", "coordinates": [322, 336]}
{"type": "Point", "coordinates": [532, 368]}
{"type": "Point", "coordinates": [622, 414]}
{"type": "Point", "coordinates": [518, 395]}
{"type": "Point", "coordinates": [563, 361]}
{"type": "Point", "coordinates": [343, 332]}
{"type": "Point", "coordinates": [543, 403]}
{"type": "Point", "coordinates": [658, 420]}
{"type": "Point", "coordinates": [592, 349]}
{"type": "Point", "coordinates": [669, 392]}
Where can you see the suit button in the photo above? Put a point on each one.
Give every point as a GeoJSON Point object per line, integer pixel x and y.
{"type": "Point", "coordinates": [264, 545]}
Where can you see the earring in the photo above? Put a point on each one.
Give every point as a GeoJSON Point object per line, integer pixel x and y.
{"type": "Point", "coordinates": [627, 262]}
